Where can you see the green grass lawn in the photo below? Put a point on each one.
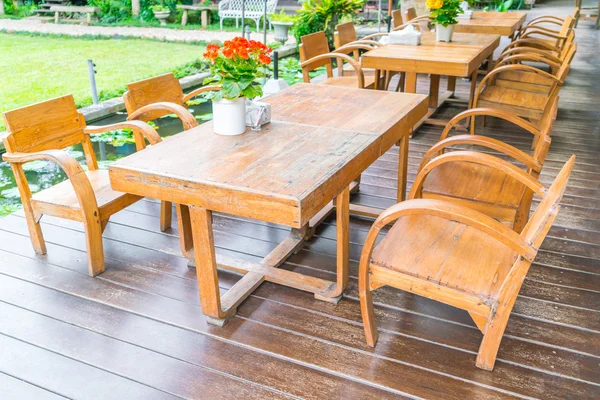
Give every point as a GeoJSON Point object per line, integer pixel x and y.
{"type": "Point", "coordinates": [36, 68]}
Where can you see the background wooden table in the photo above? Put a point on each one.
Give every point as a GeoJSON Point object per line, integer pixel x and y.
{"type": "Point", "coordinates": [497, 23]}
{"type": "Point", "coordinates": [285, 174]}
{"type": "Point", "coordinates": [459, 58]}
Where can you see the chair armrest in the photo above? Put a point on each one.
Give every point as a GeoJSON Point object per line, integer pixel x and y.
{"type": "Point", "coordinates": [526, 50]}
{"type": "Point", "coordinates": [196, 92]}
{"type": "Point", "coordinates": [545, 32]}
{"type": "Point", "coordinates": [452, 212]}
{"type": "Point", "coordinates": [350, 60]}
{"type": "Point", "coordinates": [491, 112]}
{"type": "Point", "coordinates": [545, 20]}
{"type": "Point", "coordinates": [539, 28]}
{"type": "Point", "coordinates": [184, 115]}
{"type": "Point", "coordinates": [353, 46]}
{"type": "Point", "coordinates": [543, 17]}
{"type": "Point", "coordinates": [476, 158]}
{"type": "Point", "coordinates": [141, 131]}
{"type": "Point", "coordinates": [483, 141]}
{"type": "Point", "coordinates": [533, 42]}
{"type": "Point", "coordinates": [76, 174]}
{"type": "Point", "coordinates": [374, 35]}
{"type": "Point", "coordinates": [372, 43]}
{"type": "Point", "coordinates": [415, 24]}
{"type": "Point", "coordinates": [527, 57]}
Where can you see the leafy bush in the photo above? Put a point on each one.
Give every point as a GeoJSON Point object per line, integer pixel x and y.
{"type": "Point", "coordinates": [317, 15]}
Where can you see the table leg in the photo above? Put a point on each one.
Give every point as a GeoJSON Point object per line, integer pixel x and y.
{"type": "Point", "coordinates": [472, 98]}
{"type": "Point", "coordinates": [452, 84]}
{"type": "Point", "coordinates": [402, 168]}
{"type": "Point", "coordinates": [184, 17]}
{"type": "Point", "coordinates": [411, 82]}
{"type": "Point", "coordinates": [206, 262]}
{"type": "Point", "coordinates": [377, 77]}
{"type": "Point", "coordinates": [185, 229]}
{"type": "Point", "coordinates": [490, 63]}
{"type": "Point", "coordinates": [342, 215]}
{"type": "Point", "coordinates": [434, 91]}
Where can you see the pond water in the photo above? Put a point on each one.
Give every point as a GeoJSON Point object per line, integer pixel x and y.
{"type": "Point", "coordinates": [42, 174]}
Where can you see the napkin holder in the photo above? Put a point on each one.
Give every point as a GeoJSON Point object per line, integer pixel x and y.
{"type": "Point", "coordinates": [253, 109]}
{"type": "Point", "coordinates": [408, 36]}
{"type": "Point", "coordinates": [467, 13]}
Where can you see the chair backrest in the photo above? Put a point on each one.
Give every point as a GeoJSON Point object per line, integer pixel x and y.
{"type": "Point", "coordinates": [397, 18]}
{"type": "Point", "coordinates": [410, 14]}
{"type": "Point", "coordinates": [345, 33]}
{"type": "Point", "coordinates": [542, 219]}
{"type": "Point", "coordinates": [49, 125]}
{"type": "Point", "coordinates": [153, 90]}
{"type": "Point", "coordinates": [314, 45]}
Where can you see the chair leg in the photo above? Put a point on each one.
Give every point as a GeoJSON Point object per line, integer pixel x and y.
{"type": "Point", "coordinates": [93, 242]}
{"type": "Point", "coordinates": [35, 233]}
{"type": "Point", "coordinates": [366, 305]}
{"type": "Point", "coordinates": [166, 215]}
{"type": "Point", "coordinates": [400, 85]}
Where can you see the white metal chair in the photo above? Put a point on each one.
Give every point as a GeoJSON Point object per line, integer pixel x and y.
{"type": "Point", "coordinates": [255, 10]}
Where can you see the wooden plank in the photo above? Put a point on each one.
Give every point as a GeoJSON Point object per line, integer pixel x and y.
{"type": "Point", "coordinates": [67, 377]}
{"type": "Point", "coordinates": [17, 389]}
{"type": "Point", "coordinates": [196, 349]}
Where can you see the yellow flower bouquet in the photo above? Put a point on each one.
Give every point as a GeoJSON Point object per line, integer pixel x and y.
{"type": "Point", "coordinates": [444, 12]}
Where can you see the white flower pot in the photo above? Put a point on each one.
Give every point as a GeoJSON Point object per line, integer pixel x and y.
{"type": "Point", "coordinates": [281, 30]}
{"type": "Point", "coordinates": [444, 33]}
{"type": "Point", "coordinates": [229, 116]}
{"type": "Point", "coordinates": [162, 16]}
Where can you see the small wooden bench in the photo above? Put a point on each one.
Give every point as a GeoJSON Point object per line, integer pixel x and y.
{"type": "Point", "coordinates": [203, 16]}
{"type": "Point", "coordinates": [74, 9]}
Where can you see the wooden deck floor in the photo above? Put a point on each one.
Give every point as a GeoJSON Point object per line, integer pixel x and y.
{"type": "Point", "coordinates": [136, 331]}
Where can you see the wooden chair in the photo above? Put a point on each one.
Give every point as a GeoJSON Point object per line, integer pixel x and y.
{"type": "Point", "coordinates": [540, 48]}
{"type": "Point", "coordinates": [40, 132]}
{"type": "Point", "coordinates": [457, 256]}
{"type": "Point", "coordinates": [345, 38]}
{"type": "Point", "coordinates": [533, 105]}
{"type": "Point", "coordinates": [410, 15]}
{"type": "Point", "coordinates": [489, 189]}
{"type": "Point", "coordinates": [153, 98]}
{"type": "Point", "coordinates": [554, 37]}
{"type": "Point", "coordinates": [531, 81]}
{"type": "Point", "coordinates": [397, 18]}
{"type": "Point", "coordinates": [551, 19]}
{"type": "Point", "coordinates": [591, 13]}
{"type": "Point", "coordinates": [315, 53]}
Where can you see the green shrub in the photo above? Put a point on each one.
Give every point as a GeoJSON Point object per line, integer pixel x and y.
{"type": "Point", "coordinates": [317, 15]}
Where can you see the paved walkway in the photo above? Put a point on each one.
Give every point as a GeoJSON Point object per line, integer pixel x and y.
{"type": "Point", "coordinates": [175, 35]}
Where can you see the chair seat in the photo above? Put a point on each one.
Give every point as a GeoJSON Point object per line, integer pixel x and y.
{"type": "Point", "coordinates": [63, 199]}
{"type": "Point", "coordinates": [523, 103]}
{"type": "Point", "coordinates": [486, 189]}
{"type": "Point", "coordinates": [446, 253]}
{"type": "Point", "coordinates": [349, 79]}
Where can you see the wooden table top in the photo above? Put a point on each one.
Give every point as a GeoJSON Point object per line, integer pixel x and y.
{"type": "Point", "coordinates": [346, 108]}
{"type": "Point", "coordinates": [504, 24]}
{"type": "Point", "coordinates": [284, 173]}
{"type": "Point", "coordinates": [460, 57]}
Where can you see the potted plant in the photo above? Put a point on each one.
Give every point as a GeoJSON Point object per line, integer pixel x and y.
{"type": "Point", "coordinates": [281, 22]}
{"type": "Point", "coordinates": [161, 13]}
{"type": "Point", "coordinates": [236, 67]}
{"type": "Point", "coordinates": [443, 14]}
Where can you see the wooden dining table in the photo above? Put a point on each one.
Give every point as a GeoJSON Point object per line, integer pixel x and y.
{"type": "Point", "coordinates": [462, 57]}
{"type": "Point", "coordinates": [286, 174]}
{"type": "Point", "coordinates": [492, 22]}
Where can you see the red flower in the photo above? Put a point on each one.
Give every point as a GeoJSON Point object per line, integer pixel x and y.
{"type": "Point", "coordinates": [264, 59]}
